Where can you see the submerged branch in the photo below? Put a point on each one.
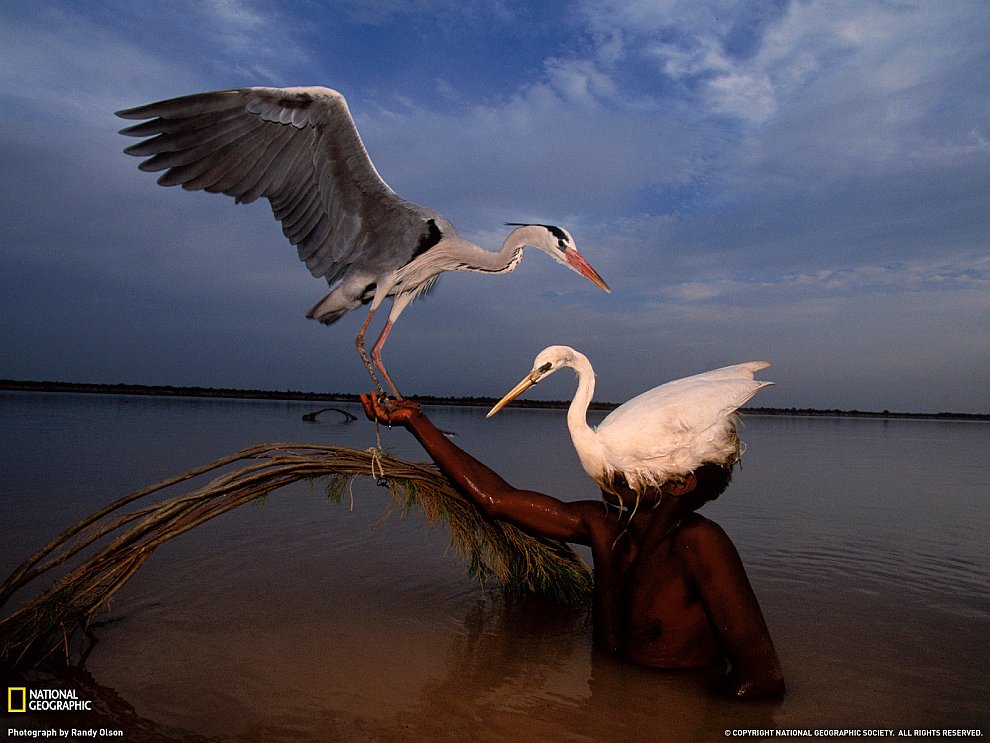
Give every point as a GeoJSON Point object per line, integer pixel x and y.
{"type": "Point", "coordinates": [121, 541]}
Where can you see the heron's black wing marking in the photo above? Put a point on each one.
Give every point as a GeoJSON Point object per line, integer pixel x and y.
{"type": "Point", "coordinates": [430, 237]}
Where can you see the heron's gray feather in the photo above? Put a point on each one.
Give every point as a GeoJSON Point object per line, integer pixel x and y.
{"type": "Point", "coordinates": [215, 162]}
{"type": "Point", "coordinates": [192, 143]}
{"type": "Point", "coordinates": [184, 106]}
{"type": "Point", "coordinates": [258, 179]}
{"type": "Point", "coordinates": [304, 219]}
{"type": "Point", "coordinates": [297, 147]}
{"type": "Point", "coordinates": [192, 123]}
{"type": "Point", "coordinates": [241, 158]}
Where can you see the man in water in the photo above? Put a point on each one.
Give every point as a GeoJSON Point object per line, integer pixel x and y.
{"type": "Point", "coordinates": [670, 590]}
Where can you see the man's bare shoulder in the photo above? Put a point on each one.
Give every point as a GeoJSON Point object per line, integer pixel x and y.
{"type": "Point", "coordinates": [704, 542]}
{"type": "Point", "coordinates": [696, 526]}
{"type": "Point", "coordinates": [600, 520]}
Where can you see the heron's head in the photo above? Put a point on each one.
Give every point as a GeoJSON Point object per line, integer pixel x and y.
{"type": "Point", "coordinates": [547, 362]}
{"type": "Point", "coordinates": [559, 245]}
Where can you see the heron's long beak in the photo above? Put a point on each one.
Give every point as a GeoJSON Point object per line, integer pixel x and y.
{"type": "Point", "coordinates": [528, 381]}
{"type": "Point", "coordinates": [576, 261]}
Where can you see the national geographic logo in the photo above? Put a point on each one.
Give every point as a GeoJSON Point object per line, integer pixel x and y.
{"type": "Point", "coordinates": [22, 699]}
{"type": "Point", "coordinates": [16, 699]}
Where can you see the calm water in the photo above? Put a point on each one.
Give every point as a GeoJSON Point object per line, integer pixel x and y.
{"type": "Point", "coordinates": [866, 542]}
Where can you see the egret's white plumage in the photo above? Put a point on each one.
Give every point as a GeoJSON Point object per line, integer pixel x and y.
{"type": "Point", "coordinates": [664, 433]}
{"type": "Point", "coordinates": [299, 148]}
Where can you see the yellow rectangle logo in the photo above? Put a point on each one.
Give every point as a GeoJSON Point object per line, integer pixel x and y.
{"type": "Point", "coordinates": [17, 699]}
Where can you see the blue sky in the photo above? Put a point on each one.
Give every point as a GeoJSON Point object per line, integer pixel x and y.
{"type": "Point", "coordinates": [802, 182]}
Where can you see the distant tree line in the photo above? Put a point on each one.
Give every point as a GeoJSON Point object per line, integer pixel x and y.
{"type": "Point", "coordinates": [476, 401]}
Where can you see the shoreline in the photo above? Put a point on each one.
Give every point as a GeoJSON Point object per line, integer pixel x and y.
{"type": "Point", "coordinates": [11, 385]}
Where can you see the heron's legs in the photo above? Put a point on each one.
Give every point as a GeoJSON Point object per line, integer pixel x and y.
{"type": "Point", "coordinates": [376, 356]}
{"type": "Point", "coordinates": [359, 342]}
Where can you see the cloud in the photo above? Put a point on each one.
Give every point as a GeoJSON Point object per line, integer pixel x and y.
{"type": "Point", "coordinates": [803, 181]}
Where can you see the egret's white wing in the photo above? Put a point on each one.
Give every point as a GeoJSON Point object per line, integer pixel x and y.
{"type": "Point", "coordinates": [678, 425]}
{"type": "Point", "coordinates": [689, 402]}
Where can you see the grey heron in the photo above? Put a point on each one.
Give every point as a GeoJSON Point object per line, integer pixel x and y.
{"type": "Point", "coordinates": [300, 149]}
{"type": "Point", "coordinates": [664, 433]}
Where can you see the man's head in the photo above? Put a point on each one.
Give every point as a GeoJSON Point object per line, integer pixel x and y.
{"type": "Point", "coordinates": [694, 489]}
{"type": "Point", "coordinates": [710, 481]}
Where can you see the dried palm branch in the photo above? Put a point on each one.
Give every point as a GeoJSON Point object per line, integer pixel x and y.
{"type": "Point", "coordinates": [117, 540]}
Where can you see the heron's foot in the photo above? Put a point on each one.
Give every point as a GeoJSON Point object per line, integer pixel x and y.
{"type": "Point", "coordinates": [386, 405]}
{"type": "Point", "coordinates": [392, 404]}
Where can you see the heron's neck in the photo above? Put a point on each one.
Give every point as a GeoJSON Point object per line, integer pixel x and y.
{"type": "Point", "coordinates": [471, 257]}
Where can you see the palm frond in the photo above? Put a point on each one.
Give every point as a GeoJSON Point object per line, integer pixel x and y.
{"type": "Point", "coordinates": [117, 540]}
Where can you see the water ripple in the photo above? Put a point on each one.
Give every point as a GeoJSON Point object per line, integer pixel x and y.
{"type": "Point", "coordinates": [924, 571]}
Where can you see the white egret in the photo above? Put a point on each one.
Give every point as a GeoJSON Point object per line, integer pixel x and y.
{"type": "Point", "coordinates": [299, 148]}
{"type": "Point", "coordinates": [663, 434]}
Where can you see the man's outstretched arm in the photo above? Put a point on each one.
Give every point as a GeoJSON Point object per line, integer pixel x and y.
{"type": "Point", "coordinates": [534, 512]}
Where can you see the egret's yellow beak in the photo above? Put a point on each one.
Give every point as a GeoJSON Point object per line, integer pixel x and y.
{"type": "Point", "coordinates": [528, 381]}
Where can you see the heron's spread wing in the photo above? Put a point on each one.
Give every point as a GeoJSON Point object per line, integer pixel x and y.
{"type": "Point", "coordinates": [300, 149]}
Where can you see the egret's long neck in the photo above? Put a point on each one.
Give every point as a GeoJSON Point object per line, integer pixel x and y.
{"type": "Point", "coordinates": [585, 441]}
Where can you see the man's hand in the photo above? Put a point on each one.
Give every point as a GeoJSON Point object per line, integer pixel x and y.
{"type": "Point", "coordinates": [389, 412]}
{"type": "Point", "coordinates": [731, 685]}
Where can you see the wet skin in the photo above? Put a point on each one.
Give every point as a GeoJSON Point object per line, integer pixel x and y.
{"type": "Point", "coordinates": [670, 590]}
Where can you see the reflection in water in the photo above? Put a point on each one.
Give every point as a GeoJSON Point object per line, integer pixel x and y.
{"type": "Point", "coordinates": [516, 669]}
{"type": "Point", "coordinates": [524, 669]}
{"type": "Point", "coordinates": [497, 670]}
{"type": "Point", "coordinates": [302, 620]}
